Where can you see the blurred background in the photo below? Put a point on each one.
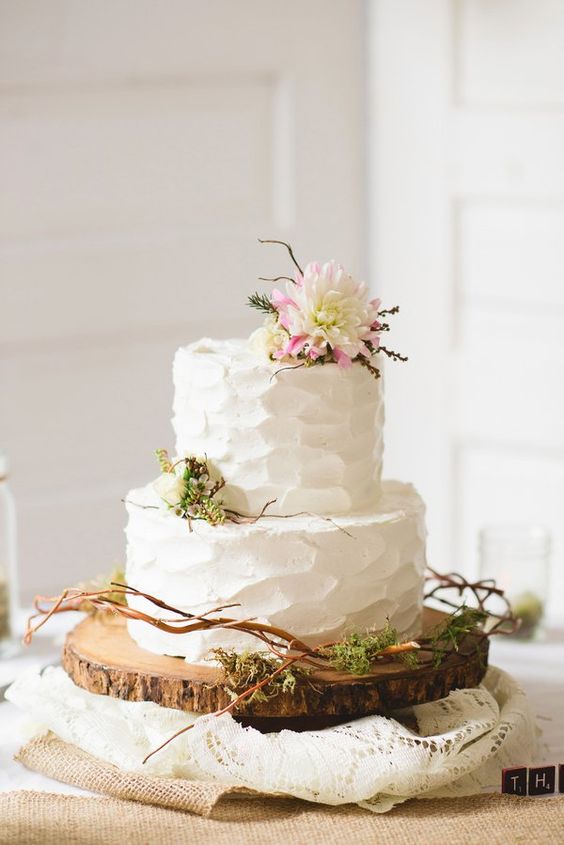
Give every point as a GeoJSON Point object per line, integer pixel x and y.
{"type": "Point", "coordinates": [146, 144]}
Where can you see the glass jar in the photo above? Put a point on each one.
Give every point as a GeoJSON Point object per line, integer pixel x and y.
{"type": "Point", "coordinates": [8, 586]}
{"type": "Point", "coordinates": [517, 557]}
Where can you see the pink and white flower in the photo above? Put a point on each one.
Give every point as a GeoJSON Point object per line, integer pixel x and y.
{"type": "Point", "coordinates": [326, 312]}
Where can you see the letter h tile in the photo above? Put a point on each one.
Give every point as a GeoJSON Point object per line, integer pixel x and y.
{"type": "Point", "coordinates": [542, 780]}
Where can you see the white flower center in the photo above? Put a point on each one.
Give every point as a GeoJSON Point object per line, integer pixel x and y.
{"type": "Point", "coordinates": [328, 316]}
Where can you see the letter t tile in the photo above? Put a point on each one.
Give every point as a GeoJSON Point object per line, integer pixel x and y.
{"type": "Point", "coordinates": [514, 781]}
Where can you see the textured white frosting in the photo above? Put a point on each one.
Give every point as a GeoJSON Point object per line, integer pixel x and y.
{"type": "Point", "coordinates": [304, 573]}
{"type": "Point", "coordinates": [311, 438]}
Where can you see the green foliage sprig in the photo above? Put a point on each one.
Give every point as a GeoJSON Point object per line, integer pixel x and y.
{"type": "Point", "coordinates": [261, 302]}
{"type": "Point", "coordinates": [448, 635]}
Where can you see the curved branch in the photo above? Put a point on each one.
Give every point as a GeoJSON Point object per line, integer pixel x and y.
{"type": "Point", "coordinates": [288, 247]}
{"type": "Point", "coordinates": [277, 279]}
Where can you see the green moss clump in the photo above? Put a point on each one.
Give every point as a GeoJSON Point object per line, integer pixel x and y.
{"type": "Point", "coordinates": [357, 652]}
{"type": "Point", "coordinates": [244, 670]}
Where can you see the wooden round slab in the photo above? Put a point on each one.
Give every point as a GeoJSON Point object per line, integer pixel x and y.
{"type": "Point", "coordinates": [100, 656]}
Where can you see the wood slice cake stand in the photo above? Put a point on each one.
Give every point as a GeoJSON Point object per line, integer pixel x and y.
{"type": "Point", "coordinates": [100, 656]}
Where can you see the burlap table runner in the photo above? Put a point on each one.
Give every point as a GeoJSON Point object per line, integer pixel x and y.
{"type": "Point", "coordinates": [155, 812]}
{"type": "Point", "coordinates": [61, 761]}
{"type": "Point", "coordinates": [36, 818]}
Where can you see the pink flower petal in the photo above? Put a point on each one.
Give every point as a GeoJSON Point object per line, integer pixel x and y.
{"type": "Point", "coordinates": [314, 353]}
{"type": "Point", "coordinates": [376, 303]}
{"type": "Point", "coordinates": [312, 267]}
{"type": "Point", "coordinates": [342, 359]}
{"type": "Point", "coordinates": [284, 320]}
{"type": "Point", "coordinates": [280, 300]}
{"type": "Point", "coordinates": [295, 344]}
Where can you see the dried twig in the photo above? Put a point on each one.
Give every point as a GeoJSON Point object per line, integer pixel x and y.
{"type": "Point", "coordinates": [288, 247]}
{"type": "Point", "coordinates": [481, 591]}
{"type": "Point", "coordinates": [283, 369]}
{"type": "Point", "coordinates": [395, 356]}
{"type": "Point", "coordinates": [276, 278]}
{"type": "Point", "coordinates": [282, 644]}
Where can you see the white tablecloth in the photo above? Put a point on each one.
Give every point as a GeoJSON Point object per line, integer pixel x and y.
{"type": "Point", "coordinates": [539, 667]}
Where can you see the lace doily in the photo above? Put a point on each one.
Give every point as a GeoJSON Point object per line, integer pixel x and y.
{"type": "Point", "coordinates": [463, 742]}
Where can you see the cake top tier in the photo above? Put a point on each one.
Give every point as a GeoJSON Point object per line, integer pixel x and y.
{"type": "Point", "coordinates": [308, 437]}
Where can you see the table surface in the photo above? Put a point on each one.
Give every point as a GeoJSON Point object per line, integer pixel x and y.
{"type": "Point", "coordinates": [538, 666]}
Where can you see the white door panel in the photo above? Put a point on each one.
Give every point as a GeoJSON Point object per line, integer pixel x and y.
{"type": "Point", "coordinates": [508, 53]}
{"type": "Point", "coordinates": [467, 233]}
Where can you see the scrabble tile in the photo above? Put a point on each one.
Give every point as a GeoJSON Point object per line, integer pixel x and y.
{"type": "Point", "coordinates": [514, 781]}
{"type": "Point", "coordinates": [542, 780]}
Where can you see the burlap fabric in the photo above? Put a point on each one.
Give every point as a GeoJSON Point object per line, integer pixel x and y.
{"type": "Point", "coordinates": [56, 759]}
{"type": "Point", "coordinates": [35, 818]}
{"type": "Point", "coordinates": [221, 814]}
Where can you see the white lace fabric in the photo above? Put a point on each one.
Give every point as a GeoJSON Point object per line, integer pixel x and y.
{"type": "Point", "coordinates": [462, 744]}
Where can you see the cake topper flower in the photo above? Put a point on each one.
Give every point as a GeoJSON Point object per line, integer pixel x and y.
{"type": "Point", "coordinates": [322, 316]}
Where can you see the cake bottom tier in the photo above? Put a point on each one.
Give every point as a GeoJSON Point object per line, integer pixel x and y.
{"type": "Point", "coordinates": [316, 577]}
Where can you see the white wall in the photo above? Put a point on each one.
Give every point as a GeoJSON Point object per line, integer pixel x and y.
{"type": "Point", "coordinates": [144, 146]}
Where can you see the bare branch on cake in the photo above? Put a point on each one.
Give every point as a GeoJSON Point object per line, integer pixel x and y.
{"type": "Point", "coordinates": [502, 621]}
{"type": "Point", "coordinates": [71, 599]}
{"type": "Point", "coordinates": [242, 519]}
{"type": "Point", "coordinates": [288, 247]}
{"type": "Point", "coordinates": [374, 371]}
{"type": "Point", "coordinates": [395, 356]}
{"type": "Point", "coordinates": [389, 311]}
{"type": "Point", "coordinates": [283, 369]}
{"type": "Point", "coordinates": [187, 489]}
{"type": "Point", "coordinates": [292, 660]}
{"type": "Point", "coordinates": [276, 279]}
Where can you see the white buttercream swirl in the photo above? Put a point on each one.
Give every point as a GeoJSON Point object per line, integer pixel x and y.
{"type": "Point", "coordinates": [304, 573]}
{"type": "Point", "coordinates": [311, 438]}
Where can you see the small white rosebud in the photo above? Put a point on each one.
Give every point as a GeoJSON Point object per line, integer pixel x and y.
{"type": "Point", "coordinates": [170, 488]}
{"type": "Point", "coordinates": [270, 338]}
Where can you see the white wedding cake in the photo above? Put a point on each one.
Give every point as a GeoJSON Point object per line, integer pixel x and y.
{"type": "Point", "coordinates": [309, 538]}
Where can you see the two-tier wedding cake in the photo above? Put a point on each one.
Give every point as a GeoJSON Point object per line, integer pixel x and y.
{"type": "Point", "coordinates": [269, 548]}
{"type": "Point", "coordinates": [282, 437]}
